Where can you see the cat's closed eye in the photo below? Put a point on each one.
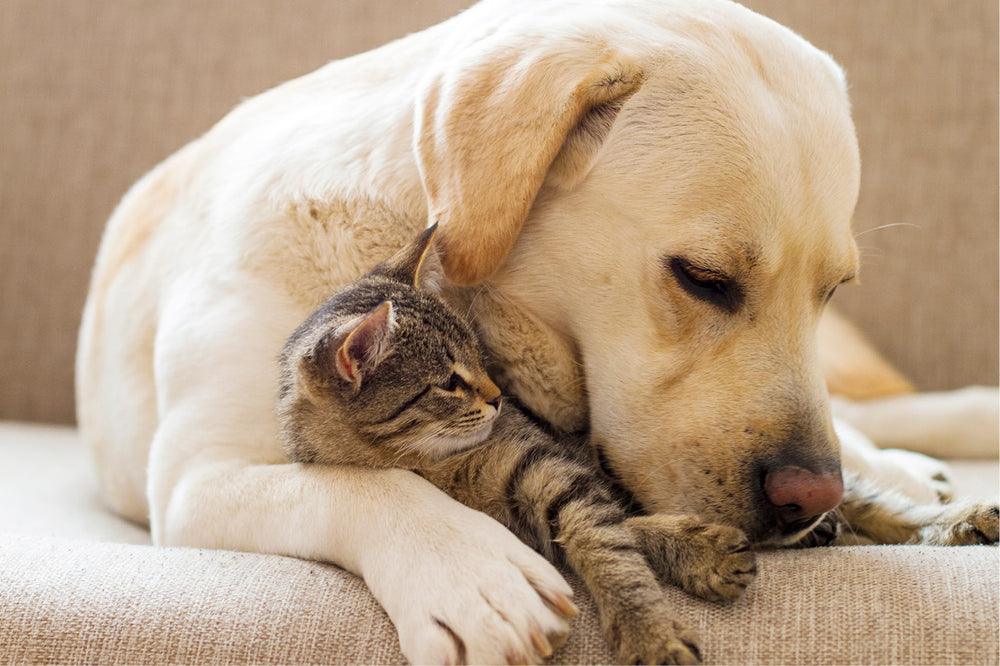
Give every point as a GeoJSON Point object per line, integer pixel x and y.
{"type": "Point", "coordinates": [456, 382]}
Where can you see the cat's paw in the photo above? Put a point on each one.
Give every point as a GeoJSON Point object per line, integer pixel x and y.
{"type": "Point", "coordinates": [651, 636]}
{"type": "Point", "coordinates": [964, 525]}
{"type": "Point", "coordinates": [717, 563]}
{"type": "Point", "coordinates": [709, 561]}
{"type": "Point", "coordinates": [475, 594]}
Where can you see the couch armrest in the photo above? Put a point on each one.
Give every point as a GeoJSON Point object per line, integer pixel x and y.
{"type": "Point", "coordinates": [64, 601]}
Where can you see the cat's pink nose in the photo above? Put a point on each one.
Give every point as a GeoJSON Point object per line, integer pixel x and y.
{"type": "Point", "coordinates": [801, 494]}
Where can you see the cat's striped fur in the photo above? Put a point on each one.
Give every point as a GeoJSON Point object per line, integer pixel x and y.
{"type": "Point", "coordinates": [383, 374]}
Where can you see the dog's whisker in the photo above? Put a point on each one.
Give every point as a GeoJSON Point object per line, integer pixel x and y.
{"type": "Point", "coordinates": [887, 226]}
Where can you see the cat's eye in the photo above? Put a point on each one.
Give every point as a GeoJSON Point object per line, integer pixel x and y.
{"type": "Point", "coordinates": [456, 382]}
{"type": "Point", "coordinates": [706, 284]}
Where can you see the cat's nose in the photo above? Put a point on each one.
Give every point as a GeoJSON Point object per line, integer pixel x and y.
{"type": "Point", "coordinates": [490, 393]}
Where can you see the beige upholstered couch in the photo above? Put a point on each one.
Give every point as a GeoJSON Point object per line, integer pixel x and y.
{"type": "Point", "coordinates": [95, 93]}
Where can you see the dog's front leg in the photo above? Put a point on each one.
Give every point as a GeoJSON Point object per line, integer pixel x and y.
{"type": "Point", "coordinates": [457, 585]}
{"type": "Point", "coordinates": [895, 496]}
{"type": "Point", "coordinates": [871, 514]}
{"type": "Point", "coordinates": [953, 424]}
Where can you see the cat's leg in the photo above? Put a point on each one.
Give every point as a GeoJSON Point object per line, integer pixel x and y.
{"type": "Point", "coordinates": [709, 561]}
{"type": "Point", "coordinates": [457, 585]}
{"type": "Point", "coordinates": [872, 514]}
{"type": "Point", "coordinates": [567, 510]}
{"type": "Point", "coordinates": [637, 619]}
{"type": "Point", "coordinates": [825, 533]}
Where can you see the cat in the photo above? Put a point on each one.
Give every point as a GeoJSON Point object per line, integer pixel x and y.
{"type": "Point", "coordinates": [383, 374]}
{"type": "Point", "coordinates": [386, 374]}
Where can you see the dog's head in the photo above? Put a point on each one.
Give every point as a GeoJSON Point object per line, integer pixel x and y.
{"type": "Point", "coordinates": [669, 190]}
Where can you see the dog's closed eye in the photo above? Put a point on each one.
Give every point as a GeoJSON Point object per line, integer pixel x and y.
{"type": "Point", "coordinates": [829, 294]}
{"type": "Point", "coordinates": [706, 284]}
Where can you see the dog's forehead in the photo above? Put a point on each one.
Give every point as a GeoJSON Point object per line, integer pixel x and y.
{"type": "Point", "coordinates": [713, 154]}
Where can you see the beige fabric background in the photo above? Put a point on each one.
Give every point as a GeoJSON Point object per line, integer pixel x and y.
{"type": "Point", "coordinates": [95, 93]}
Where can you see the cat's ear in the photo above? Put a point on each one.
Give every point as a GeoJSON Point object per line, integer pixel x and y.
{"type": "Point", "coordinates": [362, 344]}
{"type": "Point", "coordinates": [429, 274]}
{"type": "Point", "coordinates": [418, 264]}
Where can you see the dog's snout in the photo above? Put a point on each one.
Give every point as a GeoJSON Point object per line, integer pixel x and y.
{"type": "Point", "coordinates": [801, 494]}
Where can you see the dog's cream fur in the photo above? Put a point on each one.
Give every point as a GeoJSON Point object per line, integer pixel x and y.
{"type": "Point", "coordinates": [568, 149]}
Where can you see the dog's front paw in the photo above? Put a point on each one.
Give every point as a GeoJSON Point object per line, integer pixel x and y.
{"type": "Point", "coordinates": [474, 594]}
{"type": "Point", "coordinates": [964, 525]}
{"type": "Point", "coordinates": [651, 636]}
{"type": "Point", "coordinates": [710, 561]}
{"type": "Point", "coordinates": [920, 470]}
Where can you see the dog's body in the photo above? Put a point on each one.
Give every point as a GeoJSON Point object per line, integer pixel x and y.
{"type": "Point", "coordinates": [657, 198]}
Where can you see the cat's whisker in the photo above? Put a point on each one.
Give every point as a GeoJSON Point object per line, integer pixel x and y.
{"type": "Point", "coordinates": [654, 474]}
{"type": "Point", "coordinates": [472, 302]}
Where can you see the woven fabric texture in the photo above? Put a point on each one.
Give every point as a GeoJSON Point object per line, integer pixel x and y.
{"type": "Point", "coordinates": [76, 602]}
{"type": "Point", "coordinates": [101, 597]}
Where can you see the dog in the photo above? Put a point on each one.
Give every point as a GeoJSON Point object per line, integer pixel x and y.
{"type": "Point", "coordinates": [644, 208]}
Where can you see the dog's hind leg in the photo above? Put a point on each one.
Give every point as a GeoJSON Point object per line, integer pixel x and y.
{"type": "Point", "coordinates": [953, 424]}
{"type": "Point", "coordinates": [874, 397]}
{"type": "Point", "coordinates": [869, 514]}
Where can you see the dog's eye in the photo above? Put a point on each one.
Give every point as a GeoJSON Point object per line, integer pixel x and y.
{"type": "Point", "coordinates": [706, 285]}
{"type": "Point", "coordinates": [830, 293]}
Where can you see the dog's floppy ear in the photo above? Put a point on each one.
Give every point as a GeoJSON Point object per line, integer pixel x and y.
{"type": "Point", "coordinates": [490, 125]}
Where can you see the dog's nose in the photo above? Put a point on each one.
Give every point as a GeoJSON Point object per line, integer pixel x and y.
{"type": "Point", "coordinates": [800, 494]}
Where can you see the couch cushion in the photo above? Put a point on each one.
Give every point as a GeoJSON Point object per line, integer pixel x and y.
{"type": "Point", "coordinates": [70, 594]}
{"type": "Point", "coordinates": [48, 487]}
{"type": "Point", "coordinates": [69, 601]}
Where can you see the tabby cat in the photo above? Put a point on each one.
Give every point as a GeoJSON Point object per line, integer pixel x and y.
{"type": "Point", "coordinates": [386, 374]}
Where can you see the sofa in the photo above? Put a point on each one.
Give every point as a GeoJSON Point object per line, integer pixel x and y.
{"type": "Point", "coordinates": [97, 93]}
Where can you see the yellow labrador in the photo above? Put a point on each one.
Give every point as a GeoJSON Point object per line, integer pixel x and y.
{"type": "Point", "coordinates": [644, 205]}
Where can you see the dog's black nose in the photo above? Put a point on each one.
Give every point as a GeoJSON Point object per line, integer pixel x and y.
{"type": "Point", "coordinates": [800, 494]}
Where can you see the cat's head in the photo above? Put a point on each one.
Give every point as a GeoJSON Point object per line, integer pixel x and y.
{"type": "Point", "coordinates": [405, 373]}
